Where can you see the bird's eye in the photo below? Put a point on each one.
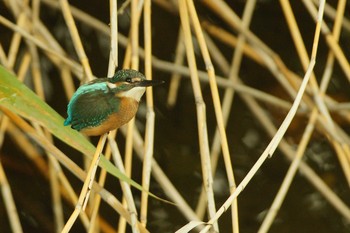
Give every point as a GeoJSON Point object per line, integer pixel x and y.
{"type": "Point", "coordinates": [129, 80]}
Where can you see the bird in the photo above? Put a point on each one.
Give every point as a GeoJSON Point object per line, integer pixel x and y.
{"type": "Point", "coordinates": [105, 104]}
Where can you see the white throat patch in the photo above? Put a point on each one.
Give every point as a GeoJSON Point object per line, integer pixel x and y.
{"type": "Point", "coordinates": [134, 93]}
{"type": "Point", "coordinates": [111, 85]}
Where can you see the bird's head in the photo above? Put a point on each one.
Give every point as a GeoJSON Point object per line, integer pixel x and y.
{"type": "Point", "coordinates": [130, 83]}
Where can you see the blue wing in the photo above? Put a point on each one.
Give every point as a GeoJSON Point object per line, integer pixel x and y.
{"type": "Point", "coordinates": [90, 105]}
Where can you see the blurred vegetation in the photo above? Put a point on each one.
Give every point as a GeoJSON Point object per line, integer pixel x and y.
{"type": "Point", "coordinates": [232, 72]}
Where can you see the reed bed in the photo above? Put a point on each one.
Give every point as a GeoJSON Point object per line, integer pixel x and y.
{"type": "Point", "coordinates": [44, 41]}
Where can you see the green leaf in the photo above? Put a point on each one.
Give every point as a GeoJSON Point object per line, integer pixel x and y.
{"type": "Point", "coordinates": [19, 99]}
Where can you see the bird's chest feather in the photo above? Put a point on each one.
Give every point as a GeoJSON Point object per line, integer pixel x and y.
{"type": "Point", "coordinates": [126, 110]}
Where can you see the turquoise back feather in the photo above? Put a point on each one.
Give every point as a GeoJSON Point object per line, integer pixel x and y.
{"type": "Point", "coordinates": [90, 105]}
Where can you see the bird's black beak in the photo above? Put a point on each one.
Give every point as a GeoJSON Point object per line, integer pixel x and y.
{"type": "Point", "coordinates": [148, 83]}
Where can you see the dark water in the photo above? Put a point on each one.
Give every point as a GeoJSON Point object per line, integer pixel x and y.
{"type": "Point", "coordinates": [176, 141]}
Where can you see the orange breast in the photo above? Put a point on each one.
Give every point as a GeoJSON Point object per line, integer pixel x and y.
{"type": "Point", "coordinates": [127, 110]}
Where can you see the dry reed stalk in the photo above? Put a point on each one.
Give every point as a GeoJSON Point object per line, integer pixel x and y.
{"type": "Point", "coordinates": [24, 66]}
{"type": "Point", "coordinates": [54, 184]}
{"type": "Point", "coordinates": [297, 37]}
{"type": "Point", "coordinates": [233, 77]}
{"type": "Point", "coordinates": [127, 163]}
{"type": "Point", "coordinates": [285, 78]}
{"type": "Point", "coordinates": [319, 98]}
{"type": "Point", "coordinates": [87, 186]}
{"type": "Point", "coordinates": [223, 65]}
{"type": "Point", "coordinates": [332, 42]}
{"type": "Point", "coordinates": [150, 117]}
{"type": "Point", "coordinates": [262, 158]}
{"type": "Point", "coordinates": [81, 15]}
{"type": "Point", "coordinates": [34, 156]}
{"type": "Point", "coordinates": [35, 70]}
{"type": "Point", "coordinates": [125, 187]}
{"type": "Point", "coordinates": [146, 169]}
{"type": "Point", "coordinates": [113, 55]}
{"type": "Point", "coordinates": [291, 172]}
{"type": "Point", "coordinates": [131, 60]}
{"type": "Point", "coordinates": [128, 168]}
{"type": "Point", "coordinates": [64, 181]}
{"type": "Point", "coordinates": [201, 112]}
{"type": "Point", "coordinates": [9, 202]}
{"type": "Point", "coordinates": [304, 59]}
{"type": "Point", "coordinates": [39, 89]}
{"type": "Point", "coordinates": [222, 82]}
{"type": "Point", "coordinates": [15, 5]}
{"type": "Point", "coordinates": [36, 11]}
{"type": "Point", "coordinates": [341, 151]}
{"type": "Point", "coordinates": [39, 43]}
{"type": "Point", "coordinates": [277, 137]}
{"type": "Point", "coordinates": [218, 111]}
{"type": "Point", "coordinates": [113, 63]}
{"type": "Point", "coordinates": [231, 40]}
{"type": "Point", "coordinates": [267, 153]}
{"type": "Point", "coordinates": [293, 168]}
{"type": "Point", "coordinates": [307, 172]}
{"type": "Point", "coordinates": [123, 6]}
{"type": "Point", "coordinates": [4, 121]}
{"type": "Point", "coordinates": [268, 59]}
{"type": "Point", "coordinates": [346, 149]}
{"type": "Point", "coordinates": [15, 42]}
{"type": "Point", "coordinates": [3, 57]}
{"type": "Point", "coordinates": [67, 14]}
{"type": "Point", "coordinates": [54, 179]}
{"type": "Point", "coordinates": [67, 81]}
{"type": "Point", "coordinates": [330, 58]}
{"type": "Point", "coordinates": [175, 77]}
{"type": "Point", "coordinates": [70, 191]}
{"type": "Point", "coordinates": [94, 223]}
{"type": "Point", "coordinates": [32, 153]}
{"type": "Point", "coordinates": [217, 56]}
{"type": "Point", "coordinates": [338, 107]}
{"type": "Point", "coordinates": [134, 35]}
{"type": "Point", "coordinates": [162, 179]}
{"type": "Point", "coordinates": [228, 15]}
{"type": "Point", "coordinates": [45, 35]}
{"type": "Point", "coordinates": [286, 73]}
{"type": "Point", "coordinates": [37, 75]}
{"type": "Point", "coordinates": [56, 196]}
{"type": "Point", "coordinates": [343, 157]}
{"type": "Point", "coordinates": [5, 187]}
{"type": "Point", "coordinates": [331, 12]}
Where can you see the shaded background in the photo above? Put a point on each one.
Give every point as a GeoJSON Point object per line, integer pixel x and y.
{"type": "Point", "coordinates": [176, 142]}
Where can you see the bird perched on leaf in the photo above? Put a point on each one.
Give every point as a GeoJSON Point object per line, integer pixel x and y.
{"type": "Point", "coordinates": [105, 104]}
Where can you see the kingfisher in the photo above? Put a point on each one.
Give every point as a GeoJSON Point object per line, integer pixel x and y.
{"type": "Point", "coordinates": [105, 104]}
